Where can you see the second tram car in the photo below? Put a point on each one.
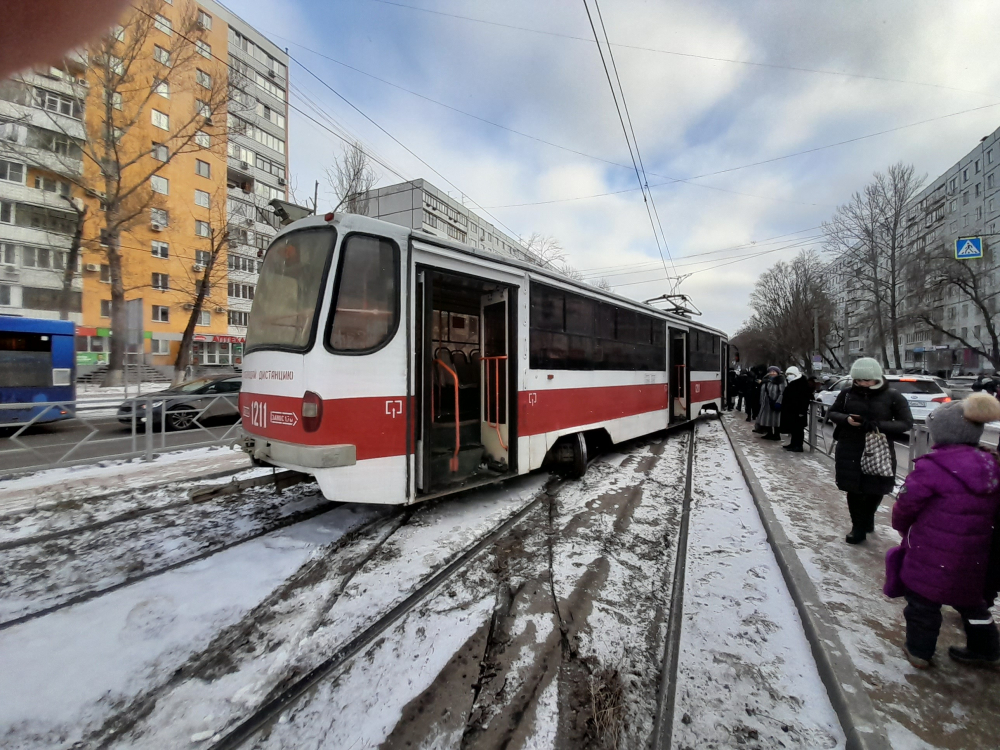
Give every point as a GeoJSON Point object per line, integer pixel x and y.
{"type": "Point", "coordinates": [395, 366]}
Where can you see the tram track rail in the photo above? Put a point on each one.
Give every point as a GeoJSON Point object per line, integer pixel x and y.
{"type": "Point", "coordinates": [281, 480]}
{"type": "Point", "coordinates": [249, 727]}
{"type": "Point", "coordinates": [84, 596]}
{"type": "Point", "coordinates": [663, 721]}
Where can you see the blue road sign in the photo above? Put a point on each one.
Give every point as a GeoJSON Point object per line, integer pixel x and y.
{"type": "Point", "coordinates": [968, 248]}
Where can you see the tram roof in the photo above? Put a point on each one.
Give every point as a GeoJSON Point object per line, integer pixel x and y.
{"type": "Point", "coordinates": [375, 226]}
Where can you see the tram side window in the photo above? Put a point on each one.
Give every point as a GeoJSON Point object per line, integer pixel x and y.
{"type": "Point", "coordinates": [367, 306]}
{"type": "Point", "coordinates": [572, 332]}
{"type": "Point", "coordinates": [706, 350]}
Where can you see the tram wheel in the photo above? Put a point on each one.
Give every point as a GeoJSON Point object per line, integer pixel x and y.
{"type": "Point", "coordinates": [579, 464]}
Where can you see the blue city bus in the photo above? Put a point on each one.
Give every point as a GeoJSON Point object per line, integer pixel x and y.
{"type": "Point", "coordinates": [37, 365]}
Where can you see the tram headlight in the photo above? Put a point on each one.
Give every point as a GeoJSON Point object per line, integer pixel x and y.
{"type": "Point", "coordinates": [312, 411]}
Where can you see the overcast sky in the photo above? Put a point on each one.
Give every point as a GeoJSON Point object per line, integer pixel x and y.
{"type": "Point", "coordinates": [692, 116]}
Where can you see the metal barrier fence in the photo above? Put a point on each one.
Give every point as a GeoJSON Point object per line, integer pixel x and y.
{"type": "Point", "coordinates": [35, 436]}
{"type": "Point", "coordinates": [820, 435]}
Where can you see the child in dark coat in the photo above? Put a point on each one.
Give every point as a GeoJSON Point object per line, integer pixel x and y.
{"type": "Point", "coordinates": [946, 513]}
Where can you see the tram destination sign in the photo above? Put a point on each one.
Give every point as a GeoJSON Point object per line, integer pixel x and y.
{"type": "Point", "coordinates": [969, 248]}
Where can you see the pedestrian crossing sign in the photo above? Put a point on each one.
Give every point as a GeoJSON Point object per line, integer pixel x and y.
{"type": "Point", "coordinates": [968, 248]}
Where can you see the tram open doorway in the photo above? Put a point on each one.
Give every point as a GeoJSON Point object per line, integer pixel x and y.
{"type": "Point", "coordinates": [465, 355]}
{"type": "Point", "coordinates": [678, 375]}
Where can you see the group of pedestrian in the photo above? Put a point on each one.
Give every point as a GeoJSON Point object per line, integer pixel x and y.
{"type": "Point", "coordinates": [777, 402]}
{"type": "Point", "coordinates": [947, 512]}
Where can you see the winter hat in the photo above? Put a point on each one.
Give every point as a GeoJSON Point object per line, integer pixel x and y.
{"type": "Point", "coordinates": [867, 368]}
{"type": "Point", "coordinates": [793, 373]}
{"type": "Point", "coordinates": [775, 369]}
{"type": "Point", "coordinates": [961, 422]}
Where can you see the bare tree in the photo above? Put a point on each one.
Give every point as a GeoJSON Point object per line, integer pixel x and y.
{"type": "Point", "coordinates": [351, 177]}
{"type": "Point", "coordinates": [790, 308]}
{"type": "Point", "coordinates": [603, 283]}
{"type": "Point", "coordinates": [129, 68]}
{"type": "Point", "coordinates": [868, 232]}
{"type": "Point", "coordinates": [72, 258]}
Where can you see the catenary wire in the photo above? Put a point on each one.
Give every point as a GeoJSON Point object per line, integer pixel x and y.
{"type": "Point", "coordinates": [756, 64]}
{"type": "Point", "coordinates": [635, 140]}
{"type": "Point", "coordinates": [627, 141]}
{"type": "Point", "coordinates": [537, 139]}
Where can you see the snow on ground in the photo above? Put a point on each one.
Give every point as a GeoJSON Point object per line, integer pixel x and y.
{"type": "Point", "coordinates": [96, 392]}
{"type": "Point", "coordinates": [949, 706]}
{"type": "Point", "coordinates": [64, 674]}
{"type": "Point", "coordinates": [381, 570]}
{"type": "Point", "coordinates": [36, 576]}
{"type": "Point", "coordinates": [44, 489]}
{"type": "Point", "coordinates": [746, 671]}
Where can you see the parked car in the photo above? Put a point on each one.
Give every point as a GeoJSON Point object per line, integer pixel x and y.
{"type": "Point", "coordinates": [190, 404]}
{"type": "Point", "coordinates": [829, 394]}
{"type": "Point", "coordinates": [960, 386]}
{"type": "Point", "coordinates": [922, 392]}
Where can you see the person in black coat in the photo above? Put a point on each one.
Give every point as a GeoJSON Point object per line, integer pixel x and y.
{"type": "Point", "coordinates": [795, 408]}
{"type": "Point", "coordinates": [731, 388]}
{"type": "Point", "coordinates": [741, 387]}
{"type": "Point", "coordinates": [867, 405]}
{"type": "Point", "coordinates": [754, 382]}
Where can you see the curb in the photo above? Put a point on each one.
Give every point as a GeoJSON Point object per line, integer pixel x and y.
{"type": "Point", "coordinates": [861, 725]}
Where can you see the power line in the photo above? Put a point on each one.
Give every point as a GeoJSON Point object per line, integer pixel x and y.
{"type": "Point", "coordinates": [409, 151]}
{"type": "Point", "coordinates": [752, 63]}
{"type": "Point", "coordinates": [535, 138]}
{"type": "Point", "coordinates": [627, 141]}
{"type": "Point", "coordinates": [635, 140]}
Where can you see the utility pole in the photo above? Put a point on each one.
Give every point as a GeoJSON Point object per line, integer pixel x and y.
{"type": "Point", "coordinates": [315, 197]}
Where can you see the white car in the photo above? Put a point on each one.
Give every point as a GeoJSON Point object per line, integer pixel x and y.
{"type": "Point", "coordinates": [922, 392]}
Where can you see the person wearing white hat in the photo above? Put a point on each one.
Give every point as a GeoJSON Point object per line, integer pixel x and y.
{"type": "Point", "coordinates": [795, 408]}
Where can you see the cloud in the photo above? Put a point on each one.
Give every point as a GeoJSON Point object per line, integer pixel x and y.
{"type": "Point", "coordinates": [692, 116]}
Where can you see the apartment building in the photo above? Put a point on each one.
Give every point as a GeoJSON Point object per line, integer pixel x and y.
{"type": "Point", "coordinates": [419, 205]}
{"type": "Point", "coordinates": [961, 202]}
{"type": "Point", "coordinates": [239, 165]}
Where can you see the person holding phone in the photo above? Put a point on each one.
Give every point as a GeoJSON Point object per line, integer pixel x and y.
{"type": "Point", "coordinates": [869, 404]}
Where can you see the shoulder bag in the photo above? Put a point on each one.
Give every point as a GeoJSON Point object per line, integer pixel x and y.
{"type": "Point", "coordinates": [876, 461]}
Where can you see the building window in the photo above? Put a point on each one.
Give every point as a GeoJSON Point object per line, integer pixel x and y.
{"type": "Point", "coordinates": [202, 229]}
{"type": "Point", "coordinates": [965, 198]}
{"type": "Point", "coordinates": [161, 249]}
{"type": "Point", "coordinates": [7, 254]}
{"type": "Point", "coordinates": [116, 100]}
{"type": "Point", "coordinates": [976, 190]}
{"type": "Point", "coordinates": [4, 295]}
{"type": "Point", "coordinates": [953, 184]}
{"type": "Point", "coordinates": [160, 120]}
{"type": "Point", "coordinates": [979, 213]}
{"type": "Point", "coordinates": [237, 318]}
{"type": "Point", "coordinates": [161, 281]}
{"type": "Point", "coordinates": [162, 88]}
{"type": "Point", "coordinates": [978, 166]}
{"type": "Point", "coordinates": [204, 318]}
{"type": "Point", "coordinates": [204, 49]}
{"type": "Point", "coordinates": [203, 109]}
{"type": "Point", "coordinates": [64, 146]}
{"type": "Point", "coordinates": [159, 346]}
{"type": "Point", "coordinates": [160, 184]}
{"type": "Point", "coordinates": [202, 168]}
{"type": "Point", "coordinates": [161, 55]}
{"type": "Point", "coordinates": [201, 198]}
{"type": "Point", "coordinates": [105, 308]}
{"type": "Point", "coordinates": [241, 291]}
{"type": "Point", "coordinates": [965, 175]}
{"type": "Point", "coordinates": [159, 216]}
{"type": "Point", "coordinates": [163, 24]}
{"type": "Point", "coordinates": [204, 20]}
{"type": "Point", "coordinates": [6, 212]}
{"type": "Point", "coordinates": [160, 152]}
{"type": "Point", "coordinates": [203, 78]}
{"type": "Point", "coordinates": [202, 257]}
{"type": "Point", "coordinates": [203, 139]}
{"type": "Point", "coordinates": [965, 221]}
{"type": "Point", "coordinates": [989, 156]}
{"type": "Point", "coordinates": [50, 185]}
{"type": "Point", "coordinates": [57, 103]}
{"type": "Point", "coordinates": [161, 313]}
{"type": "Point", "coordinates": [105, 273]}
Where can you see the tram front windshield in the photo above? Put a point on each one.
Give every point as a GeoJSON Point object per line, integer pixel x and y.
{"type": "Point", "coordinates": [287, 295]}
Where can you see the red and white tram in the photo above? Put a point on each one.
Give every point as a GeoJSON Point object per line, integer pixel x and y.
{"type": "Point", "coordinates": [395, 366]}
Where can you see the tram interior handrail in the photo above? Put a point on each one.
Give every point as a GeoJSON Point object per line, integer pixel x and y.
{"type": "Point", "coordinates": [496, 380]}
{"type": "Point", "coordinates": [453, 463]}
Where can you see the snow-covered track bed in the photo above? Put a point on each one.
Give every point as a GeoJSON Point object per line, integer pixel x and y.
{"type": "Point", "coordinates": [120, 545]}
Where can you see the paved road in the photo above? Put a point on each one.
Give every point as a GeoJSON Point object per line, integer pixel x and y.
{"type": "Point", "coordinates": [98, 437]}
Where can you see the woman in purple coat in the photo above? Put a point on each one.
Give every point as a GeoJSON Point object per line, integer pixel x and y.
{"type": "Point", "coordinates": [946, 513]}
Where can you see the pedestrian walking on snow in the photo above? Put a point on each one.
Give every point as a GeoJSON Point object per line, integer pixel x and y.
{"type": "Point", "coordinates": [947, 514]}
{"type": "Point", "coordinates": [771, 392]}
{"type": "Point", "coordinates": [795, 408]}
{"type": "Point", "coordinates": [868, 405]}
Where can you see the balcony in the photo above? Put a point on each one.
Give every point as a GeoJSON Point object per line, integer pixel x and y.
{"type": "Point", "coordinates": [28, 195]}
